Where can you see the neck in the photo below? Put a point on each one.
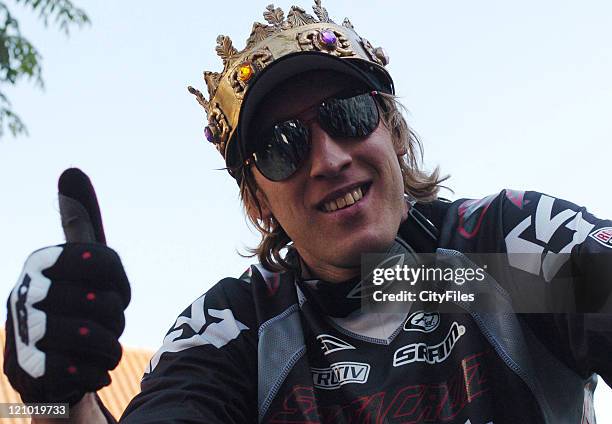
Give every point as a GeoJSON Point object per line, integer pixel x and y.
{"type": "Point", "coordinates": [333, 274]}
{"type": "Point", "coordinates": [330, 273]}
{"type": "Point", "coordinates": [313, 268]}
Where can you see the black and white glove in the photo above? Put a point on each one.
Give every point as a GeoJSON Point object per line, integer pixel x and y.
{"type": "Point", "coordinates": [65, 314]}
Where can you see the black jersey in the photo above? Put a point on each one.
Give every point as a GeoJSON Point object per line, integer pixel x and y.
{"type": "Point", "coordinates": [273, 348]}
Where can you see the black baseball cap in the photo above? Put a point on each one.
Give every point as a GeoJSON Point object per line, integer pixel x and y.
{"type": "Point", "coordinates": [373, 76]}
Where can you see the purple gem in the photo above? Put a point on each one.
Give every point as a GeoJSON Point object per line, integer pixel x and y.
{"type": "Point", "coordinates": [328, 37]}
{"type": "Point", "coordinates": [209, 134]}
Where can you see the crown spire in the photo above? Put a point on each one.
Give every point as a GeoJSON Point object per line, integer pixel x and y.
{"type": "Point", "coordinates": [225, 49]}
{"type": "Point", "coordinates": [275, 16]}
{"type": "Point", "coordinates": [298, 17]}
{"type": "Point", "coordinates": [321, 12]}
{"type": "Point", "coordinates": [302, 32]}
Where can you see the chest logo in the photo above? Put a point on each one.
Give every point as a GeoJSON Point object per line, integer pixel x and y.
{"type": "Point", "coordinates": [339, 374]}
{"type": "Point", "coordinates": [331, 344]}
{"type": "Point", "coordinates": [422, 321]}
{"type": "Point", "coordinates": [421, 352]}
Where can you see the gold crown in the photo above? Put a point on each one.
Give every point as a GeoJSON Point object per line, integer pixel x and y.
{"type": "Point", "coordinates": [298, 32]}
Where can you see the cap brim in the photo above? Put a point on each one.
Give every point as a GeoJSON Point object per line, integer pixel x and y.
{"type": "Point", "coordinates": [373, 76]}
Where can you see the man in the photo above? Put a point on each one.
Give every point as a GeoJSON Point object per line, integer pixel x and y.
{"type": "Point", "coordinates": [306, 120]}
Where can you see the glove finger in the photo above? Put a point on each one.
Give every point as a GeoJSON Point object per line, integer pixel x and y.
{"type": "Point", "coordinates": [83, 340]}
{"type": "Point", "coordinates": [72, 300]}
{"type": "Point", "coordinates": [96, 265]}
{"type": "Point", "coordinates": [68, 378]}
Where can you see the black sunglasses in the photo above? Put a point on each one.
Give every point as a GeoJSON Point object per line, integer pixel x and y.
{"type": "Point", "coordinates": [283, 147]}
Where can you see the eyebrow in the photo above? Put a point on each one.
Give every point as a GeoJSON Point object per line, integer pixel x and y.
{"type": "Point", "coordinates": [310, 112]}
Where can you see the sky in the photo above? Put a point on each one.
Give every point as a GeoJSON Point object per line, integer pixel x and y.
{"type": "Point", "coordinates": [503, 95]}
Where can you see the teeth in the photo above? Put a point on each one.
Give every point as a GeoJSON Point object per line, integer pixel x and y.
{"type": "Point", "coordinates": [349, 199]}
{"type": "Point", "coordinates": [341, 202]}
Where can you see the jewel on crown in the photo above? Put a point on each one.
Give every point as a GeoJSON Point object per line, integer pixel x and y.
{"type": "Point", "coordinates": [226, 89]}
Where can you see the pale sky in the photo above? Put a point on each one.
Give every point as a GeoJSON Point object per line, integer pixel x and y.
{"type": "Point", "coordinates": [504, 95]}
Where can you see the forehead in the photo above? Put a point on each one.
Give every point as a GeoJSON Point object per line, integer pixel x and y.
{"type": "Point", "coordinates": [300, 93]}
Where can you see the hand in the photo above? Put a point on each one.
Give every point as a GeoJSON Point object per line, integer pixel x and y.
{"type": "Point", "coordinates": [65, 314]}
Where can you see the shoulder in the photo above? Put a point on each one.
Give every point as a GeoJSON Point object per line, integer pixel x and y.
{"type": "Point", "coordinates": [227, 317]}
{"type": "Point", "coordinates": [223, 314]}
{"type": "Point", "coordinates": [512, 215]}
{"type": "Point", "coordinates": [230, 297]}
{"type": "Point", "coordinates": [511, 207]}
{"type": "Point", "coordinates": [208, 355]}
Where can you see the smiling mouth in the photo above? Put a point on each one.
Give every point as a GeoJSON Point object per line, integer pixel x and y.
{"type": "Point", "coordinates": [346, 200]}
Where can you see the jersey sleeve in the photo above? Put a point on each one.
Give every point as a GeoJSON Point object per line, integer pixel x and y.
{"type": "Point", "coordinates": [556, 241]}
{"type": "Point", "coordinates": [206, 369]}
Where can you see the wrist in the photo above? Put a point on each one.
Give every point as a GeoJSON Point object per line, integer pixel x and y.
{"type": "Point", "coordinates": [85, 411]}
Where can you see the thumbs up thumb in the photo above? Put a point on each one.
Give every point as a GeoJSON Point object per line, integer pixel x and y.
{"type": "Point", "coordinates": [79, 210]}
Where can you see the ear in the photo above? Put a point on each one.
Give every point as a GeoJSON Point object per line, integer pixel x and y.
{"type": "Point", "coordinates": [400, 150]}
{"type": "Point", "coordinates": [266, 213]}
{"type": "Point", "coordinates": [406, 209]}
{"type": "Point", "coordinates": [264, 205]}
{"type": "Point", "coordinates": [399, 147]}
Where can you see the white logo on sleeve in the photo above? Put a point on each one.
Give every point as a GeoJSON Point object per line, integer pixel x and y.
{"type": "Point", "coordinates": [194, 331]}
{"type": "Point", "coordinates": [29, 323]}
{"type": "Point", "coordinates": [527, 255]}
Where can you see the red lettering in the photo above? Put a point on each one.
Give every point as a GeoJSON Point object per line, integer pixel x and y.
{"type": "Point", "coordinates": [437, 402]}
{"type": "Point", "coordinates": [299, 407]}
{"type": "Point", "coordinates": [473, 376]}
{"type": "Point", "coordinates": [366, 409]}
{"type": "Point", "coordinates": [407, 404]}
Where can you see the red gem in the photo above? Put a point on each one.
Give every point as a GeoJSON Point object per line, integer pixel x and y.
{"type": "Point", "coordinates": [91, 296]}
{"type": "Point", "coordinates": [72, 369]}
{"type": "Point", "coordinates": [86, 255]}
{"type": "Point", "coordinates": [83, 331]}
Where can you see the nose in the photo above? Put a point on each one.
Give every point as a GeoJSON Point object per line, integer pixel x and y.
{"type": "Point", "coordinates": [329, 157]}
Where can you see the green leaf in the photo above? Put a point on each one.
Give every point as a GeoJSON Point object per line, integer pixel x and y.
{"type": "Point", "coordinates": [19, 58]}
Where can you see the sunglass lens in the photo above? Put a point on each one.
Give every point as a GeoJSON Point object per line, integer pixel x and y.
{"type": "Point", "coordinates": [349, 117]}
{"type": "Point", "coordinates": [282, 149]}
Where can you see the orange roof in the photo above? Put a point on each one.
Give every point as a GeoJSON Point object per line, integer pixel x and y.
{"type": "Point", "coordinates": [125, 383]}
